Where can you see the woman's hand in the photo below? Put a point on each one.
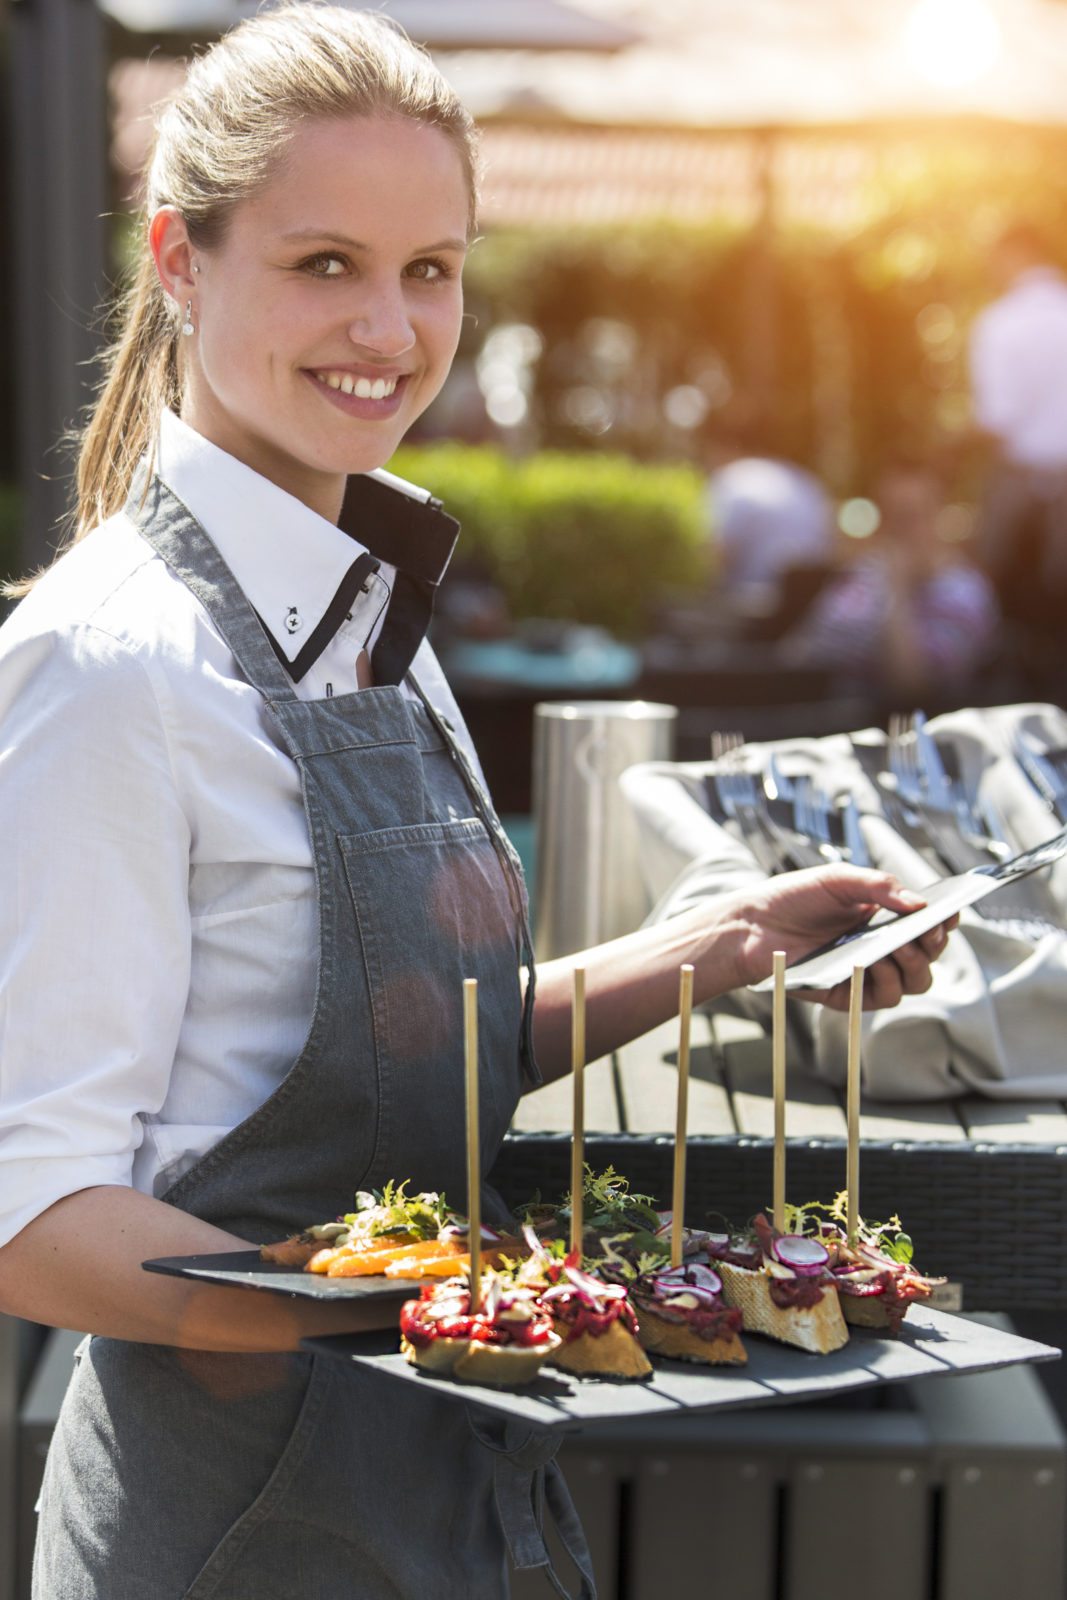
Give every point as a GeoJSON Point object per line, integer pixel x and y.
{"type": "Point", "coordinates": [800, 911]}
{"type": "Point", "coordinates": [632, 982]}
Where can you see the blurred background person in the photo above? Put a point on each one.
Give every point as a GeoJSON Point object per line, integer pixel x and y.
{"type": "Point", "coordinates": [910, 617]}
{"type": "Point", "coordinates": [766, 515]}
{"type": "Point", "coordinates": [1018, 370]}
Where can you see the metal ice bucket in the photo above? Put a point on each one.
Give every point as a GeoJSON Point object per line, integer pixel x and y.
{"type": "Point", "coordinates": [587, 884]}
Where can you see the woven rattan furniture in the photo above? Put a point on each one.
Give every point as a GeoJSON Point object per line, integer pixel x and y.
{"type": "Point", "coordinates": [981, 1185]}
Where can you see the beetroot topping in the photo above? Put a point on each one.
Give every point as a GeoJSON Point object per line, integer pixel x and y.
{"type": "Point", "coordinates": [691, 1294]}
{"type": "Point", "coordinates": [895, 1285]}
{"type": "Point", "coordinates": [577, 1302]}
{"type": "Point", "coordinates": [509, 1315]}
{"type": "Point", "coordinates": [798, 1266]}
{"type": "Point", "coordinates": [877, 1264]}
{"type": "Point", "coordinates": [796, 1293]}
{"type": "Point", "coordinates": [581, 1304]}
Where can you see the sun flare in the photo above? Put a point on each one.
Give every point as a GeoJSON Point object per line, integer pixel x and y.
{"type": "Point", "coordinates": [953, 42]}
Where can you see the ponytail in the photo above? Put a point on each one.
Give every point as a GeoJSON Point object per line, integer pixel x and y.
{"type": "Point", "coordinates": [141, 378]}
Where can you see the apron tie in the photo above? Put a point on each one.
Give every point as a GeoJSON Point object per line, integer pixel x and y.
{"type": "Point", "coordinates": [526, 1477]}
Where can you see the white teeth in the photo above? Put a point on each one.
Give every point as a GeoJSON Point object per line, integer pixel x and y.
{"type": "Point", "coordinates": [362, 388]}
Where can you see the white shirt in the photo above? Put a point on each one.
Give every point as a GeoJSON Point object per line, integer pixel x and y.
{"type": "Point", "coordinates": [1018, 355]}
{"type": "Point", "coordinates": [767, 516]}
{"type": "Point", "coordinates": [158, 917]}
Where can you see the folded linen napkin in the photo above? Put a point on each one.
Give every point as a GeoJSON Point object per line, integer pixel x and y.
{"type": "Point", "coordinates": [993, 1020]}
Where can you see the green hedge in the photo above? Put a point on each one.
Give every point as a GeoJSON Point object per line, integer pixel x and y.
{"type": "Point", "coordinates": [584, 538]}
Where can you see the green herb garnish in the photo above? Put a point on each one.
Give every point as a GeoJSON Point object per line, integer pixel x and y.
{"type": "Point", "coordinates": [420, 1215]}
{"type": "Point", "coordinates": [887, 1237]}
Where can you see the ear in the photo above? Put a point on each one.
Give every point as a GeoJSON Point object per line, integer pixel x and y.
{"type": "Point", "coordinates": [168, 239]}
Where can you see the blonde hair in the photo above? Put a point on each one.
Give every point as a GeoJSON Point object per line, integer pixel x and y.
{"type": "Point", "coordinates": [217, 141]}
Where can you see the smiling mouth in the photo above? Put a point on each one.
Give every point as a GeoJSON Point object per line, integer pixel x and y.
{"type": "Point", "coordinates": [360, 388]}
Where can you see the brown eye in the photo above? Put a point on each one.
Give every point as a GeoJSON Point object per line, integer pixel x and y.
{"type": "Point", "coordinates": [325, 266]}
{"type": "Point", "coordinates": [429, 270]}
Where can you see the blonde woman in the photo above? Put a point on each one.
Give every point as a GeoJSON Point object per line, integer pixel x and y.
{"type": "Point", "coordinates": [249, 858]}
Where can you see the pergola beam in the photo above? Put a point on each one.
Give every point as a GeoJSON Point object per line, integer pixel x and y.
{"type": "Point", "coordinates": [59, 196]}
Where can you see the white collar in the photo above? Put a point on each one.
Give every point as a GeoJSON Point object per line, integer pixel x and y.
{"type": "Point", "coordinates": [284, 555]}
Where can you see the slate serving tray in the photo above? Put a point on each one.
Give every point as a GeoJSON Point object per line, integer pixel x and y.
{"type": "Point", "coordinates": [378, 1298]}
{"type": "Point", "coordinates": [931, 1343]}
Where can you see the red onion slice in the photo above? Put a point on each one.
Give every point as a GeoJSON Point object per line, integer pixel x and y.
{"type": "Point", "coordinates": [534, 1244]}
{"type": "Point", "coordinates": [461, 1230]}
{"type": "Point", "coordinates": [692, 1276]}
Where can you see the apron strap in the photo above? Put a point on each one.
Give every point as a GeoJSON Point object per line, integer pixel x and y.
{"type": "Point", "coordinates": [175, 535]}
{"type": "Point", "coordinates": [526, 1477]}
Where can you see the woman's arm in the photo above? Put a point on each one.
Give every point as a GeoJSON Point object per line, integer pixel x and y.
{"type": "Point", "coordinates": [78, 1265]}
{"type": "Point", "coordinates": [632, 983]}
{"type": "Point", "coordinates": [95, 951]}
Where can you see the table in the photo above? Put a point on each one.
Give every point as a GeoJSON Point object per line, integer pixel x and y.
{"type": "Point", "coordinates": [981, 1185]}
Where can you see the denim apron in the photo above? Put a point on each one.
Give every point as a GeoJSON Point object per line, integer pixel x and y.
{"type": "Point", "coordinates": [189, 1475]}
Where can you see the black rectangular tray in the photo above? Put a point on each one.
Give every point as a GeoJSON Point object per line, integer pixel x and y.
{"type": "Point", "coordinates": [378, 1298]}
{"type": "Point", "coordinates": [931, 1344]}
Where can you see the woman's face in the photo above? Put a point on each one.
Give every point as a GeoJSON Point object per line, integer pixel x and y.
{"type": "Point", "coordinates": [327, 319]}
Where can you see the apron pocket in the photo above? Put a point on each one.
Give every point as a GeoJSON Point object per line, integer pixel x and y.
{"type": "Point", "coordinates": [433, 907]}
{"type": "Point", "coordinates": [270, 1499]}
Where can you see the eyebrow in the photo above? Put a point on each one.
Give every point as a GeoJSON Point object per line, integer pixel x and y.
{"type": "Point", "coordinates": [326, 235]}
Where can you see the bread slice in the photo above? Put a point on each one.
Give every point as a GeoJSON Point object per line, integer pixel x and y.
{"type": "Point", "coordinates": [679, 1341]}
{"type": "Point", "coordinates": [864, 1310]}
{"type": "Point", "coordinates": [502, 1364]}
{"type": "Point", "coordinates": [440, 1355]}
{"type": "Point", "coordinates": [820, 1328]}
{"type": "Point", "coordinates": [615, 1353]}
{"type": "Point", "coordinates": [473, 1361]}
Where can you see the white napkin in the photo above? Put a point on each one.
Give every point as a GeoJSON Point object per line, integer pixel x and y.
{"type": "Point", "coordinates": [994, 1021]}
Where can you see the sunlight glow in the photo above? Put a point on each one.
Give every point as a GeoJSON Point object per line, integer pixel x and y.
{"type": "Point", "coordinates": [952, 42]}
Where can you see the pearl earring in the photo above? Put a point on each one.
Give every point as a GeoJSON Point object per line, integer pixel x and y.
{"type": "Point", "coordinates": [187, 325]}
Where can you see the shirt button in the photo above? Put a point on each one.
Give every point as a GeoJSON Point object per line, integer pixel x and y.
{"type": "Point", "coordinates": [293, 620]}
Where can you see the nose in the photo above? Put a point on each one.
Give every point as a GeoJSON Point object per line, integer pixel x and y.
{"type": "Point", "coordinates": [382, 324]}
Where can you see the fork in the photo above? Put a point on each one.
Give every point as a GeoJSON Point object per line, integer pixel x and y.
{"type": "Point", "coordinates": [739, 797]}
{"type": "Point", "coordinates": [1044, 773]}
{"type": "Point", "coordinates": [932, 807]}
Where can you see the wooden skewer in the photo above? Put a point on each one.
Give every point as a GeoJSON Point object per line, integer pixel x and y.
{"type": "Point", "coordinates": [778, 1078]}
{"type": "Point", "coordinates": [855, 1027]}
{"type": "Point", "coordinates": [685, 1010]}
{"type": "Point", "coordinates": [578, 1138]}
{"type": "Point", "coordinates": [474, 1179]}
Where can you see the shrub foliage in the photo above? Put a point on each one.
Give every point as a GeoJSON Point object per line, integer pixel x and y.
{"type": "Point", "coordinates": [590, 538]}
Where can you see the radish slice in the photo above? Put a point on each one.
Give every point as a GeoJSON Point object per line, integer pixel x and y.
{"type": "Point", "coordinates": [807, 1257]}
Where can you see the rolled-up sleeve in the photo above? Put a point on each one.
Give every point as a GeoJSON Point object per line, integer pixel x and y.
{"type": "Point", "coordinates": [94, 916]}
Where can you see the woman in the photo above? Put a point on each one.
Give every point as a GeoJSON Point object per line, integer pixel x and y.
{"type": "Point", "coordinates": [255, 846]}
